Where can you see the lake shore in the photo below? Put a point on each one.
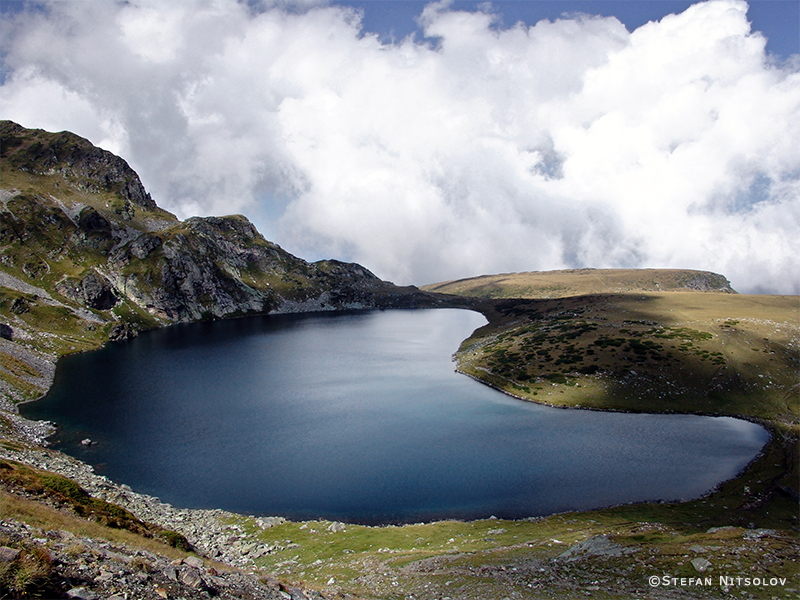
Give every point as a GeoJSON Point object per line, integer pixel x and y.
{"type": "Point", "coordinates": [257, 546]}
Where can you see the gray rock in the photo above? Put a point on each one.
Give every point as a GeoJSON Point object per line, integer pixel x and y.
{"type": "Point", "coordinates": [8, 554]}
{"type": "Point", "coordinates": [93, 291]}
{"type": "Point", "coordinates": [144, 245]}
{"type": "Point", "coordinates": [267, 522]}
{"type": "Point", "coordinates": [696, 548]}
{"type": "Point", "coordinates": [248, 548]}
{"type": "Point", "coordinates": [725, 528]}
{"type": "Point", "coordinates": [98, 293]}
{"type": "Point", "coordinates": [700, 564]}
{"type": "Point", "coordinates": [104, 577]}
{"type": "Point", "coordinates": [81, 593]}
{"type": "Point", "coordinates": [296, 593]}
{"type": "Point", "coordinates": [191, 578]}
{"type": "Point", "coordinates": [757, 534]}
{"type": "Point", "coordinates": [123, 331]}
{"type": "Point", "coordinates": [336, 527]}
{"type": "Point", "coordinates": [598, 545]}
{"type": "Point", "coordinates": [193, 561]}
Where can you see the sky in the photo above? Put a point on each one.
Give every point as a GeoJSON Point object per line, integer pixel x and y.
{"type": "Point", "coordinates": [432, 141]}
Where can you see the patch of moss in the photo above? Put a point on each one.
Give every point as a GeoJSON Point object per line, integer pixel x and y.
{"type": "Point", "coordinates": [71, 494]}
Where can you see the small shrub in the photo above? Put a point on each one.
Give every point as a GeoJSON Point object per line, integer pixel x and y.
{"type": "Point", "coordinates": [30, 571]}
{"type": "Point", "coordinates": [65, 487]}
{"type": "Point", "coordinates": [176, 540]}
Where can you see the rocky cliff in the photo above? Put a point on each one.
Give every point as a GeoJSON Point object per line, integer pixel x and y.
{"type": "Point", "coordinates": [86, 255]}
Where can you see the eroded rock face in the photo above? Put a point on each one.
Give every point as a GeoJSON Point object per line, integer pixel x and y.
{"type": "Point", "coordinates": [93, 291]}
{"type": "Point", "coordinates": [142, 246]}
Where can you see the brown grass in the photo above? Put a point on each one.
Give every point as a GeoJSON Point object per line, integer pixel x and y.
{"type": "Point", "coordinates": [577, 282]}
{"type": "Point", "coordinates": [46, 517]}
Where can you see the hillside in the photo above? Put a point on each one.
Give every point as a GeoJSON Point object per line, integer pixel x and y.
{"type": "Point", "coordinates": [693, 352]}
{"type": "Point", "coordinates": [578, 282]}
{"type": "Point", "coordinates": [86, 256]}
{"type": "Point", "coordinates": [656, 340]}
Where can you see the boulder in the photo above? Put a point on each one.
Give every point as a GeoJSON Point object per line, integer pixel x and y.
{"type": "Point", "coordinates": [700, 564]}
{"type": "Point", "coordinates": [598, 545]}
{"type": "Point", "coordinates": [191, 578]}
{"type": "Point", "coordinates": [193, 561]}
{"type": "Point", "coordinates": [81, 593]}
{"type": "Point", "coordinates": [8, 554]}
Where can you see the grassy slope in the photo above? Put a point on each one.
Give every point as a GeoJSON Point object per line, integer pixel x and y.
{"type": "Point", "coordinates": [654, 352]}
{"type": "Point", "coordinates": [42, 326]}
{"type": "Point", "coordinates": [578, 282]}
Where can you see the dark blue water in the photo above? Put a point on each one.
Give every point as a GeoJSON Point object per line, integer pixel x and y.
{"type": "Point", "coordinates": [361, 417]}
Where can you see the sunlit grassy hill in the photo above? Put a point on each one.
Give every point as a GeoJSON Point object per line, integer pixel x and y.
{"type": "Point", "coordinates": [576, 282]}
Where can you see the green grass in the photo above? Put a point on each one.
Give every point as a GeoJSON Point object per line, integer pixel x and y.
{"type": "Point", "coordinates": [47, 517]}
{"type": "Point", "coordinates": [667, 352]}
{"type": "Point", "coordinates": [68, 493]}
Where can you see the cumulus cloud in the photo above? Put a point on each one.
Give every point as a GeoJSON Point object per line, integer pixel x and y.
{"type": "Point", "coordinates": [476, 150]}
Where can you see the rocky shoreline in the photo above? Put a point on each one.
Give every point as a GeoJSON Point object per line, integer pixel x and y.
{"type": "Point", "coordinates": [90, 569]}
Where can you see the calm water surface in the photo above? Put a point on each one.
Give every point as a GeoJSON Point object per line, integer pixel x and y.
{"type": "Point", "coordinates": [361, 417]}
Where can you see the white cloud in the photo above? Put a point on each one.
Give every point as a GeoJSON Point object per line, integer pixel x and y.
{"type": "Point", "coordinates": [569, 143]}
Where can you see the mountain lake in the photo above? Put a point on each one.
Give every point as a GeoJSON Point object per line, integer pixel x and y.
{"type": "Point", "coordinates": [361, 417]}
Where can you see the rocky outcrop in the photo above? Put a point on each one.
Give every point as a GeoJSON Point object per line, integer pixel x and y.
{"type": "Point", "coordinates": [93, 291]}
{"type": "Point", "coordinates": [76, 159]}
{"type": "Point", "coordinates": [704, 281]}
{"type": "Point", "coordinates": [85, 230]}
{"type": "Point", "coordinates": [59, 564]}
